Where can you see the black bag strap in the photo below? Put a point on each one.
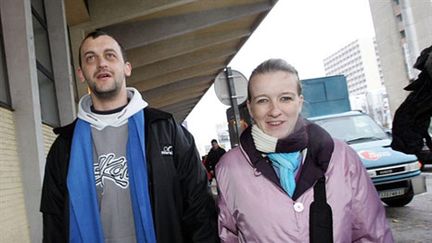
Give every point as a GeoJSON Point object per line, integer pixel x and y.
{"type": "Point", "coordinates": [320, 218]}
{"type": "Point", "coordinates": [320, 191]}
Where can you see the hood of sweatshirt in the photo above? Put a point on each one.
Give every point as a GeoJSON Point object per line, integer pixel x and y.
{"type": "Point", "coordinates": [99, 121]}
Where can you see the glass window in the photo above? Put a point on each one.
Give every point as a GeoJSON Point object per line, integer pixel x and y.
{"type": "Point", "coordinates": [38, 6]}
{"type": "Point", "coordinates": [47, 99]}
{"type": "Point", "coordinates": [43, 55]}
{"type": "Point", "coordinates": [4, 84]}
{"type": "Point", "coordinates": [353, 129]}
{"type": "Point", "coordinates": [47, 91]}
{"type": "Point", "coordinates": [399, 17]}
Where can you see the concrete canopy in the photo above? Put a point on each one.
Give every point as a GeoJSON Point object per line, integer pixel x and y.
{"type": "Point", "coordinates": [176, 47]}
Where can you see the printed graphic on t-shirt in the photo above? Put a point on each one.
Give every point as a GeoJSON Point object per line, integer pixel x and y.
{"type": "Point", "coordinates": [111, 168]}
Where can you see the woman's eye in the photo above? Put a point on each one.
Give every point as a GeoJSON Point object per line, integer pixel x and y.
{"type": "Point", "coordinates": [261, 101]}
{"type": "Point", "coordinates": [286, 98]}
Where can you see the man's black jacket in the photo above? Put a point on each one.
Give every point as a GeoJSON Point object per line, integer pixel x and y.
{"type": "Point", "coordinates": [183, 209]}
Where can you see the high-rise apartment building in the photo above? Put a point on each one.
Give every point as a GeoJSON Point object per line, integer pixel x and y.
{"type": "Point", "coordinates": [359, 63]}
{"type": "Point", "coordinates": [403, 28]}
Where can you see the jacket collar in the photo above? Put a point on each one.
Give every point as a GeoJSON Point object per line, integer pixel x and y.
{"type": "Point", "coordinates": [66, 131]}
{"type": "Point", "coordinates": [315, 165]}
{"type": "Point", "coordinates": [150, 115]}
{"type": "Point", "coordinates": [261, 164]}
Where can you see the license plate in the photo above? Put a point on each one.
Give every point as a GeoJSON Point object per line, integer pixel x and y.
{"type": "Point", "coordinates": [392, 193]}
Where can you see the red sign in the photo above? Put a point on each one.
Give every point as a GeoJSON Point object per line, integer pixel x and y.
{"type": "Point", "coordinates": [369, 155]}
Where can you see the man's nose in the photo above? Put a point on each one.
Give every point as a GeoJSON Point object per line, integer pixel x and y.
{"type": "Point", "coordinates": [102, 62]}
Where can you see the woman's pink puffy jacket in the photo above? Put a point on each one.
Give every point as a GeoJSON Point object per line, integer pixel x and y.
{"type": "Point", "coordinates": [253, 209]}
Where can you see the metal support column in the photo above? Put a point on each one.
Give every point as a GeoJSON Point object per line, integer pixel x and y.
{"type": "Point", "coordinates": [234, 105]}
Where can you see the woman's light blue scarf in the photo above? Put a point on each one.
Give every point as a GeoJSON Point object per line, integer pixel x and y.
{"type": "Point", "coordinates": [287, 165]}
{"type": "Point", "coordinates": [85, 222]}
{"type": "Point", "coordinates": [284, 153]}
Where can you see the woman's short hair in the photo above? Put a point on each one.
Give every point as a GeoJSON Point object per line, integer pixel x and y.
{"type": "Point", "coordinates": [274, 65]}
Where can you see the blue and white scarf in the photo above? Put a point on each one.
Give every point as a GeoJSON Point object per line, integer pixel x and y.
{"type": "Point", "coordinates": [85, 221]}
{"type": "Point", "coordinates": [284, 153]}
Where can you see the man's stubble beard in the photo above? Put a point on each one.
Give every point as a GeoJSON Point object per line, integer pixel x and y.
{"type": "Point", "coordinates": [109, 94]}
{"type": "Point", "coordinates": [105, 94]}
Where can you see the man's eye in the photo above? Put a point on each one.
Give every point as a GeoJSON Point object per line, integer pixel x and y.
{"type": "Point", "coordinates": [90, 58]}
{"type": "Point", "coordinates": [110, 55]}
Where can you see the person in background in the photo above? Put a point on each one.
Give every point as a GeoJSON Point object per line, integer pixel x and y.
{"type": "Point", "coordinates": [213, 157]}
{"type": "Point", "coordinates": [123, 172]}
{"type": "Point", "coordinates": [289, 181]}
{"type": "Point", "coordinates": [204, 162]}
{"type": "Point", "coordinates": [412, 119]}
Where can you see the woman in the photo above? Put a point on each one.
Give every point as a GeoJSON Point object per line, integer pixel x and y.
{"type": "Point", "coordinates": [289, 181]}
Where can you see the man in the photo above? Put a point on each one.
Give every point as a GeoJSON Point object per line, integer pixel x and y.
{"type": "Point", "coordinates": [213, 156]}
{"type": "Point", "coordinates": [123, 172]}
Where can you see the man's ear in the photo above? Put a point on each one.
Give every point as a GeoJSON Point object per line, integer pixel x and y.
{"type": "Point", "coordinates": [127, 69]}
{"type": "Point", "coordinates": [81, 75]}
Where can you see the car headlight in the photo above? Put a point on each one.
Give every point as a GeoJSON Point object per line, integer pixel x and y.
{"type": "Point", "coordinates": [413, 166]}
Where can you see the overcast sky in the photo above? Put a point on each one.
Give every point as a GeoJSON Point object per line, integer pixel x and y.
{"type": "Point", "coordinates": [301, 32]}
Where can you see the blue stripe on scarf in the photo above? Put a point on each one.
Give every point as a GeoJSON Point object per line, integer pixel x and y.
{"type": "Point", "coordinates": [287, 165]}
{"type": "Point", "coordinates": [138, 179]}
{"type": "Point", "coordinates": [85, 223]}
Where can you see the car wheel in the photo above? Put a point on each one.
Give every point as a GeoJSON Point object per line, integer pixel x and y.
{"type": "Point", "coordinates": [399, 202]}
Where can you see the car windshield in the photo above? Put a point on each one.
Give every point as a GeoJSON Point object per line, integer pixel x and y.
{"type": "Point", "coordinates": [353, 129]}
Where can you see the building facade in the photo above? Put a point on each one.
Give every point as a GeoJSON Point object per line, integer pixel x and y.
{"type": "Point", "coordinates": [36, 94]}
{"type": "Point", "coordinates": [360, 64]}
{"type": "Point", "coordinates": [403, 29]}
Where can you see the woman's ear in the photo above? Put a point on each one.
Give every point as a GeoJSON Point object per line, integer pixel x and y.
{"type": "Point", "coordinates": [249, 109]}
{"type": "Point", "coordinates": [301, 100]}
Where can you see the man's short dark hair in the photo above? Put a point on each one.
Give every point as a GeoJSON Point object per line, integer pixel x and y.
{"type": "Point", "coordinates": [95, 34]}
{"type": "Point", "coordinates": [214, 141]}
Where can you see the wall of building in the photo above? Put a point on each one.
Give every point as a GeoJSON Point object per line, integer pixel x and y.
{"type": "Point", "coordinates": [402, 30]}
{"type": "Point", "coordinates": [13, 223]}
{"type": "Point", "coordinates": [25, 140]}
{"type": "Point", "coordinates": [49, 137]}
{"type": "Point", "coordinates": [417, 21]}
